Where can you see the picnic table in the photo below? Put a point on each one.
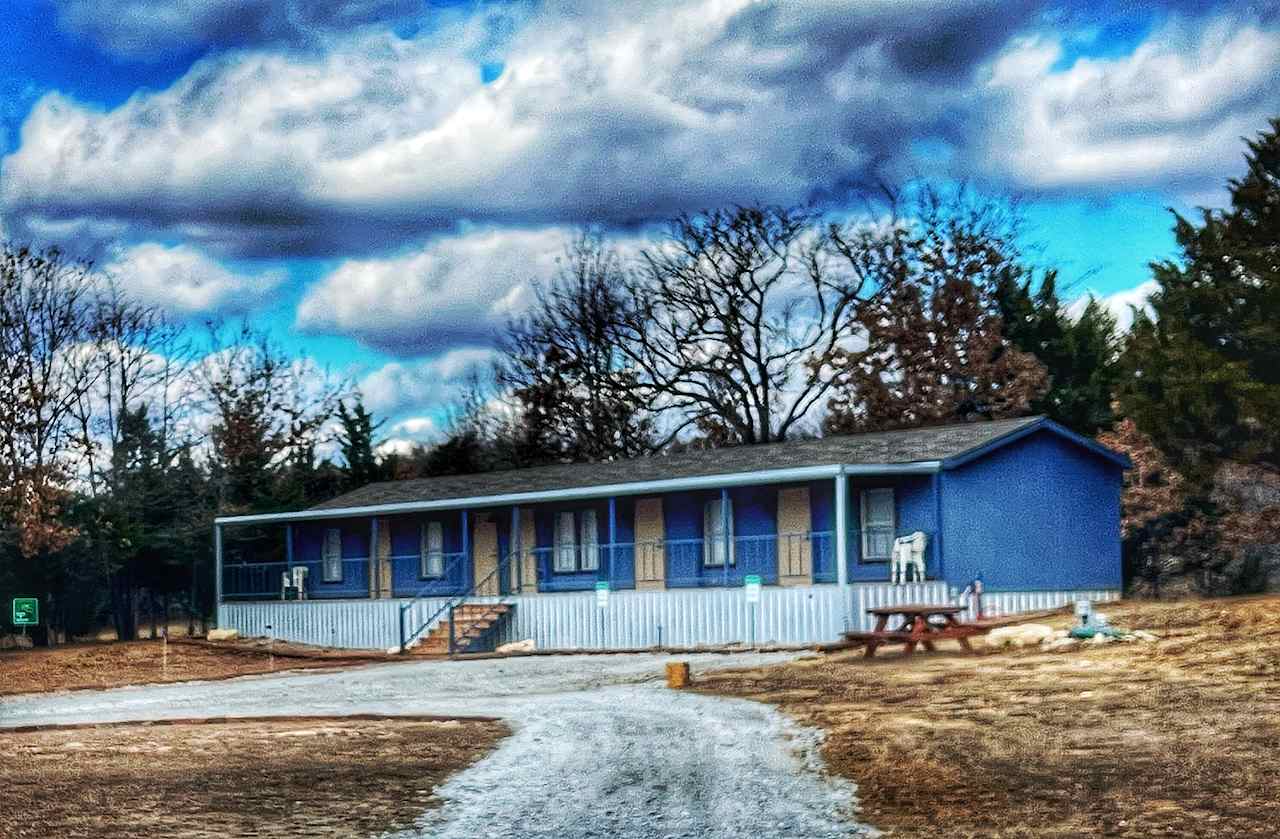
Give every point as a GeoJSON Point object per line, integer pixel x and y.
{"type": "Point", "coordinates": [922, 623]}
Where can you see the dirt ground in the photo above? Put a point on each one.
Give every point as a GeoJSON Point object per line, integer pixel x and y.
{"type": "Point", "coordinates": [318, 777]}
{"type": "Point", "coordinates": [1178, 737]}
{"type": "Point", "coordinates": [119, 663]}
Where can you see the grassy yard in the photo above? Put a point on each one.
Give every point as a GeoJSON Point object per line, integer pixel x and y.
{"type": "Point", "coordinates": [304, 777]}
{"type": "Point", "coordinates": [107, 664]}
{"type": "Point", "coordinates": [1180, 737]}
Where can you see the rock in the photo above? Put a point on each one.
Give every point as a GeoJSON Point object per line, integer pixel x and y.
{"type": "Point", "coordinates": [1021, 635]}
{"type": "Point", "coordinates": [223, 634]}
{"type": "Point", "coordinates": [1100, 638]}
{"type": "Point", "coordinates": [16, 642]}
{"type": "Point", "coordinates": [526, 646]}
{"type": "Point", "coordinates": [1060, 644]}
{"type": "Point", "coordinates": [1143, 635]}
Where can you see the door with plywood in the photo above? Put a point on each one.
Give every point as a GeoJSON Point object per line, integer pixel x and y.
{"type": "Point", "coordinates": [484, 544]}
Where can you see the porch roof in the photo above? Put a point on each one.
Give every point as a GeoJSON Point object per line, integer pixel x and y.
{"type": "Point", "coordinates": [919, 450]}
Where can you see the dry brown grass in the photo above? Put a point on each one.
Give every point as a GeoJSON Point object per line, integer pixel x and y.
{"type": "Point", "coordinates": [280, 778]}
{"type": "Point", "coordinates": [1180, 737]}
{"type": "Point", "coordinates": [116, 663]}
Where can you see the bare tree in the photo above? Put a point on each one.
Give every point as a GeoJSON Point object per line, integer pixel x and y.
{"type": "Point", "coordinates": [46, 370]}
{"type": "Point", "coordinates": [269, 413]}
{"type": "Point", "coordinates": [933, 348]}
{"type": "Point", "coordinates": [726, 312]}
{"type": "Point", "coordinates": [563, 364]}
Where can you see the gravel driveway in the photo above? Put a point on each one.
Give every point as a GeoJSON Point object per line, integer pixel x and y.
{"type": "Point", "coordinates": [600, 748]}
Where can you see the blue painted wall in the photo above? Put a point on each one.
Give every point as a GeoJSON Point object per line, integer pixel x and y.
{"type": "Point", "coordinates": [1040, 513]}
{"type": "Point", "coordinates": [308, 550]}
{"type": "Point", "coordinates": [623, 564]}
{"type": "Point", "coordinates": [406, 561]}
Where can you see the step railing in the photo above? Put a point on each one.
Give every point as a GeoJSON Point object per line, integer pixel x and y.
{"type": "Point", "coordinates": [484, 584]}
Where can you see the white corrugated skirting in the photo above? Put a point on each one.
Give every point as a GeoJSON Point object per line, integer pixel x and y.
{"type": "Point", "coordinates": [633, 619]}
{"type": "Point", "coordinates": [996, 603]}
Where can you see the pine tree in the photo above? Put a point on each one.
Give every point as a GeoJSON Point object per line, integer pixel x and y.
{"type": "Point", "coordinates": [1080, 355]}
{"type": "Point", "coordinates": [1204, 373]}
{"type": "Point", "coordinates": [356, 439]}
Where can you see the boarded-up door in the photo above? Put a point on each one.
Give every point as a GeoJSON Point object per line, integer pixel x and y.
{"type": "Point", "coordinates": [651, 558]}
{"type": "Point", "coordinates": [380, 579]}
{"type": "Point", "coordinates": [484, 545]}
{"type": "Point", "coordinates": [795, 555]}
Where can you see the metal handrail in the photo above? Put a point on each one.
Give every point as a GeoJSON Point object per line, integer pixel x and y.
{"type": "Point", "coordinates": [453, 600]}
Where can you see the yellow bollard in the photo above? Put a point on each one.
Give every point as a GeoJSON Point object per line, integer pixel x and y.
{"type": "Point", "coordinates": [678, 674]}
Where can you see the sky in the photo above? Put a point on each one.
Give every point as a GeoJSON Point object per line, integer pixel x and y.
{"type": "Point", "coordinates": [378, 182]}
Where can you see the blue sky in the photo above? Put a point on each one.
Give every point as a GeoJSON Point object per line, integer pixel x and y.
{"type": "Point", "coordinates": [378, 181]}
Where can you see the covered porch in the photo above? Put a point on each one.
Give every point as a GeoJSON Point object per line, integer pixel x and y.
{"type": "Point", "coordinates": [783, 528]}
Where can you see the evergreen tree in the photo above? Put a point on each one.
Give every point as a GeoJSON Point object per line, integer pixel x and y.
{"type": "Point", "coordinates": [356, 439]}
{"type": "Point", "coordinates": [1080, 355]}
{"type": "Point", "coordinates": [1204, 373]}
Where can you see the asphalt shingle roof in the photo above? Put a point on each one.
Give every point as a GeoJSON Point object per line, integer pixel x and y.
{"type": "Point", "coordinates": [883, 447]}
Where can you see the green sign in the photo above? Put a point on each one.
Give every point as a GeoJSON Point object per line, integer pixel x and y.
{"type": "Point", "coordinates": [26, 611]}
{"type": "Point", "coordinates": [752, 584]}
{"type": "Point", "coordinates": [602, 594]}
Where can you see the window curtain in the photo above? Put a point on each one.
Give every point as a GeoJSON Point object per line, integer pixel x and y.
{"type": "Point", "coordinates": [331, 566]}
{"type": "Point", "coordinates": [713, 533]}
{"type": "Point", "coordinates": [432, 549]}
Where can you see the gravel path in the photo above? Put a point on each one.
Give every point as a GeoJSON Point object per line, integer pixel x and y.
{"type": "Point", "coordinates": [600, 748]}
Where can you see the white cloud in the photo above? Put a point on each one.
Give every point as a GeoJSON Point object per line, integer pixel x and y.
{"type": "Point", "coordinates": [423, 386]}
{"type": "Point", "coordinates": [1170, 114]}
{"type": "Point", "coordinates": [604, 112]}
{"type": "Point", "coordinates": [1121, 303]}
{"type": "Point", "coordinates": [405, 435]}
{"type": "Point", "coordinates": [182, 280]}
{"type": "Point", "coordinates": [455, 288]}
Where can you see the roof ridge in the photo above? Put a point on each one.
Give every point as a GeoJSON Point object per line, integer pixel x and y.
{"type": "Point", "coordinates": [987, 430]}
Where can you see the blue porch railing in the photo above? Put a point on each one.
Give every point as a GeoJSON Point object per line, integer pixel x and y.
{"type": "Point", "coordinates": [678, 563]}
{"type": "Point", "coordinates": [264, 580]}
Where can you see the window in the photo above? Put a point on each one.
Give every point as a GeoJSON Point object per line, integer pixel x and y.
{"type": "Point", "coordinates": [331, 562]}
{"type": "Point", "coordinates": [877, 525]}
{"type": "Point", "coordinates": [431, 550]}
{"type": "Point", "coordinates": [590, 540]}
{"type": "Point", "coordinates": [577, 542]}
{"type": "Point", "coordinates": [714, 537]}
{"type": "Point", "coordinates": [566, 560]}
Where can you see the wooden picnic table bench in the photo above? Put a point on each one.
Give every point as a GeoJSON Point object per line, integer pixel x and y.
{"type": "Point", "coordinates": [919, 627]}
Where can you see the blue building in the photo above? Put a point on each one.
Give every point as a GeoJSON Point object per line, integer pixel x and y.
{"type": "Point", "coordinates": [658, 551]}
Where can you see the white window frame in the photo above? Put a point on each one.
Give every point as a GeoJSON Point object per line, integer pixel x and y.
{"type": "Point", "coordinates": [331, 556]}
{"type": "Point", "coordinates": [564, 558]}
{"type": "Point", "coordinates": [864, 508]}
{"type": "Point", "coordinates": [589, 545]}
{"type": "Point", "coordinates": [713, 535]}
{"type": "Point", "coordinates": [431, 550]}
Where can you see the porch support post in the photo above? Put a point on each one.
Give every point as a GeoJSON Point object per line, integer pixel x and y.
{"type": "Point", "coordinates": [288, 546]}
{"type": "Point", "coordinates": [727, 536]}
{"type": "Point", "coordinates": [842, 543]}
{"type": "Point", "coordinates": [613, 535]}
{"type": "Point", "coordinates": [516, 554]}
{"type": "Point", "coordinates": [217, 571]}
{"type": "Point", "coordinates": [937, 524]}
{"type": "Point", "coordinates": [466, 550]}
{"type": "Point", "coordinates": [375, 567]}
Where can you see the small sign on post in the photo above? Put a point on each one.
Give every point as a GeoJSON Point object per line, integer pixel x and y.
{"type": "Point", "coordinates": [26, 611]}
{"type": "Point", "coordinates": [752, 586]}
{"type": "Point", "coordinates": [602, 595]}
